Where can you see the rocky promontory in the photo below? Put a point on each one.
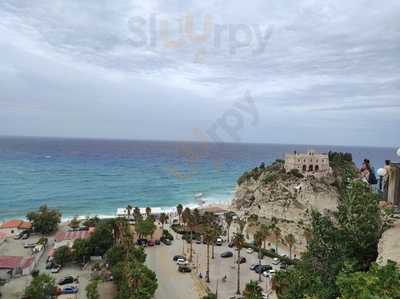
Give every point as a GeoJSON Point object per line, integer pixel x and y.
{"type": "Point", "coordinates": [288, 197]}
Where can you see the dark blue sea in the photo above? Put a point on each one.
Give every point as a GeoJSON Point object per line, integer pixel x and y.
{"type": "Point", "coordinates": [95, 177]}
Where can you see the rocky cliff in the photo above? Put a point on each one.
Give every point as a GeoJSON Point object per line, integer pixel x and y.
{"type": "Point", "coordinates": [289, 197]}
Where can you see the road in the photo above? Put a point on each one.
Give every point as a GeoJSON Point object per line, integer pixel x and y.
{"type": "Point", "coordinates": [171, 283]}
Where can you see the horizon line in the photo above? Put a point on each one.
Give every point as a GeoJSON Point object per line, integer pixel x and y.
{"type": "Point", "coordinates": [188, 141]}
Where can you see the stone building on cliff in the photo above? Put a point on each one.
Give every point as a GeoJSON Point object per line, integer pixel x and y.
{"type": "Point", "coordinates": [310, 163]}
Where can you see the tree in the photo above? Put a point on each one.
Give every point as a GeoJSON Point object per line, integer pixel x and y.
{"type": "Point", "coordinates": [252, 290]}
{"type": "Point", "coordinates": [277, 236]}
{"type": "Point", "coordinates": [81, 250]}
{"type": "Point", "coordinates": [378, 282]}
{"type": "Point", "coordinates": [145, 228]}
{"type": "Point", "coordinates": [210, 296]}
{"type": "Point", "coordinates": [258, 239]}
{"type": "Point", "coordinates": [163, 219]}
{"type": "Point", "coordinates": [179, 209]}
{"type": "Point", "coordinates": [208, 238]}
{"type": "Point", "coordinates": [148, 211]}
{"type": "Point", "coordinates": [42, 286]}
{"type": "Point", "coordinates": [45, 221]}
{"type": "Point", "coordinates": [129, 211]}
{"type": "Point", "coordinates": [228, 219]}
{"type": "Point", "coordinates": [239, 242]}
{"type": "Point", "coordinates": [137, 214]}
{"type": "Point", "coordinates": [62, 255]}
{"type": "Point", "coordinates": [290, 240]}
{"type": "Point", "coordinates": [74, 223]}
{"type": "Point", "coordinates": [265, 231]}
{"type": "Point", "coordinates": [92, 291]}
{"type": "Point", "coordinates": [103, 237]}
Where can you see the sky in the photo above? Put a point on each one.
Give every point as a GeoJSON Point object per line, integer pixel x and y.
{"type": "Point", "coordinates": [282, 71]}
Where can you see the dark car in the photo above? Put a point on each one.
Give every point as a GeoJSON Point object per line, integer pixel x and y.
{"type": "Point", "coordinates": [184, 269]}
{"type": "Point", "coordinates": [166, 241]}
{"type": "Point", "coordinates": [242, 260]}
{"type": "Point", "coordinates": [158, 242]}
{"type": "Point", "coordinates": [198, 241]}
{"type": "Point", "coordinates": [142, 242]}
{"type": "Point", "coordinates": [227, 254]}
{"type": "Point", "coordinates": [283, 266]}
{"type": "Point", "coordinates": [66, 280]}
{"type": "Point", "coordinates": [260, 269]}
{"type": "Point", "coordinates": [177, 257]}
{"type": "Point", "coordinates": [25, 236]}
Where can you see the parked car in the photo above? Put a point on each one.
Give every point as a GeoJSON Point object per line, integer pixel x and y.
{"type": "Point", "coordinates": [283, 266]}
{"type": "Point", "coordinates": [219, 242]}
{"type": "Point", "coordinates": [260, 269]}
{"type": "Point", "coordinates": [275, 261]}
{"type": "Point", "coordinates": [249, 250]}
{"type": "Point", "coordinates": [184, 269]}
{"type": "Point", "coordinates": [241, 260]}
{"type": "Point", "coordinates": [253, 266]}
{"type": "Point", "coordinates": [157, 242]}
{"type": "Point", "coordinates": [166, 241]}
{"type": "Point", "coordinates": [227, 254]}
{"type": "Point", "coordinates": [17, 237]}
{"type": "Point", "coordinates": [56, 269]}
{"type": "Point", "coordinates": [182, 262]}
{"type": "Point", "coordinates": [29, 245]}
{"type": "Point", "coordinates": [25, 236]}
{"type": "Point", "coordinates": [177, 257]}
{"type": "Point", "coordinates": [269, 273]}
{"type": "Point", "coordinates": [66, 280]}
{"type": "Point", "coordinates": [198, 241]}
{"type": "Point", "coordinates": [70, 290]}
{"type": "Point", "coordinates": [151, 243]}
{"type": "Point", "coordinates": [141, 242]}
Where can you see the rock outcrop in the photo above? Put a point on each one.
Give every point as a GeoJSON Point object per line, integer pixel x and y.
{"type": "Point", "coordinates": [289, 197]}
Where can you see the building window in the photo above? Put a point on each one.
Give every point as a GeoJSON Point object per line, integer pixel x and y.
{"type": "Point", "coordinates": [316, 167]}
{"type": "Point", "coordinates": [304, 168]}
{"type": "Point", "coordinates": [311, 168]}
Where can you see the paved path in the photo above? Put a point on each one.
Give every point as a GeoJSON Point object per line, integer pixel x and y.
{"type": "Point", "coordinates": [171, 283]}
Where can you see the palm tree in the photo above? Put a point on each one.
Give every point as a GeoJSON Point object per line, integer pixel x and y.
{"type": "Point", "coordinates": [137, 214]}
{"type": "Point", "coordinates": [148, 212]}
{"type": "Point", "coordinates": [252, 290]}
{"type": "Point", "coordinates": [239, 242]}
{"type": "Point", "coordinates": [163, 219]}
{"type": "Point", "coordinates": [228, 220]}
{"type": "Point", "coordinates": [290, 240]}
{"type": "Point", "coordinates": [210, 219]}
{"type": "Point", "coordinates": [129, 211]}
{"type": "Point", "coordinates": [179, 209]}
{"type": "Point", "coordinates": [258, 239]}
{"type": "Point", "coordinates": [241, 223]}
{"type": "Point", "coordinates": [277, 235]}
{"type": "Point", "coordinates": [265, 230]}
{"type": "Point", "coordinates": [208, 237]}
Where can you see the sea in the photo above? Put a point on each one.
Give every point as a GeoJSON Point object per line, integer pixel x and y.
{"type": "Point", "coordinates": [88, 177]}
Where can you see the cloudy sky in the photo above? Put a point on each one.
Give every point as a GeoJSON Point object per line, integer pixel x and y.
{"type": "Point", "coordinates": [315, 72]}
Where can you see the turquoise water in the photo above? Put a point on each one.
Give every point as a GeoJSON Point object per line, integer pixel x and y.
{"type": "Point", "coordinates": [95, 177]}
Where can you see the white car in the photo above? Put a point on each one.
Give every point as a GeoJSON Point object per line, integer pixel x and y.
{"type": "Point", "coordinates": [269, 273]}
{"type": "Point", "coordinates": [182, 262]}
{"type": "Point", "coordinates": [249, 250]}
{"type": "Point", "coordinates": [275, 261]}
{"type": "Point", "coordinates": [55, 269]}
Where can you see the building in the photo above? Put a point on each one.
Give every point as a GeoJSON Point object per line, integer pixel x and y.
{"type": "Point", "coordinates": [11, 266]}
{"type": "Point", "coordinates": [14, 227]}
{"type": "Point", "coordinates": [308, 163]}
{"type": "Point", "coordinates": [68, 238]}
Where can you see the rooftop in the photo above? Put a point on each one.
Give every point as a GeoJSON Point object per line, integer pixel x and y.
{"type": "Point", "coordinates": [62, 236]}
{"type": "Point", "coordinates": [15, 223]}
{"type": "Point", "coordinates": [12, 262]}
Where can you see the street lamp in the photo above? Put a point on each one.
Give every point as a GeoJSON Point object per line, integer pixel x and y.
{"type": "Point", "coordinates": [381, 173]}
